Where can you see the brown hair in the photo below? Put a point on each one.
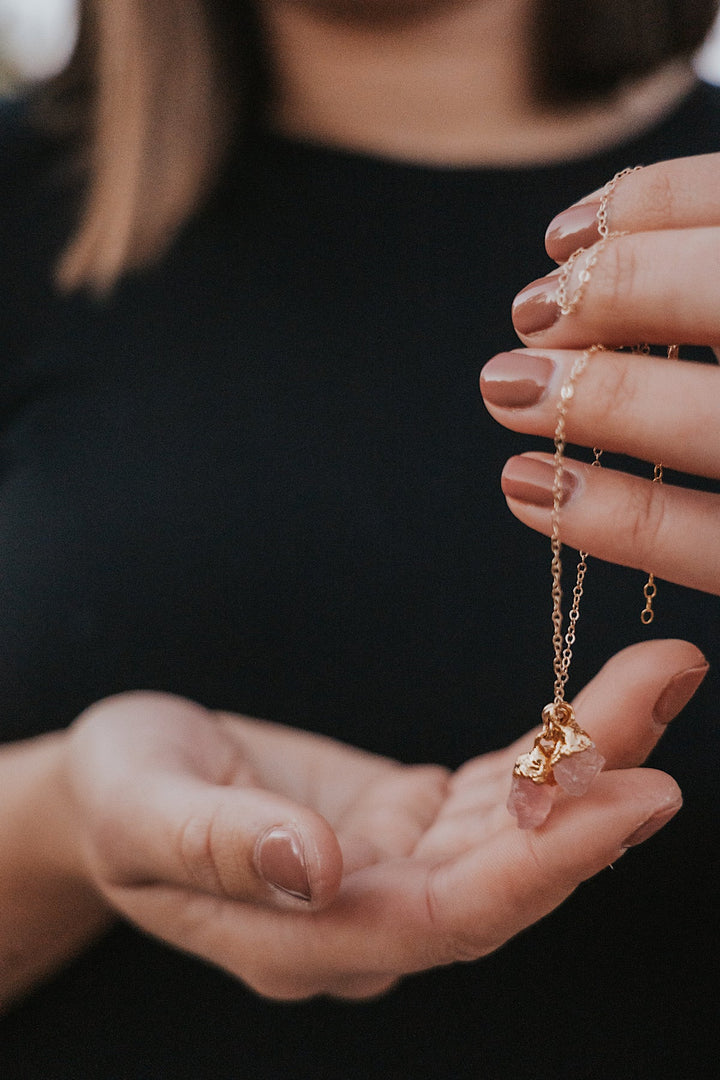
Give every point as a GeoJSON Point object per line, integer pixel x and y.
{"type": "Point", "coordinates": [159, 87]}
{"type": "Point", "coordinates": [589, 47]}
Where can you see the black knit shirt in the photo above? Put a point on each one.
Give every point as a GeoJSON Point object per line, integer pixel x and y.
{"type": "Point", "coordinates": [261, 475]}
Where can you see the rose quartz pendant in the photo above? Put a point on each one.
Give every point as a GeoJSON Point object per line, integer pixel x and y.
{"type": "Point", "coordinates": [562, 754]}
{"type": "Point", "coordinates": [529, 802]}
{"type": "Point", "coordinates": [576, 772]}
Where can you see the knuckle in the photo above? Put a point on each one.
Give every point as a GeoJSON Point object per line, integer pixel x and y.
{"type": "Point", "coordinates": [197, 853]}
{"type": "Point", "coordinates": [657, 198]}
{"type": "Point", "coordinates": [616, 390]}
{"type": "Point", "coordinates": [616, 274]}
{"type": "Point", "coordinates": [647, 520]}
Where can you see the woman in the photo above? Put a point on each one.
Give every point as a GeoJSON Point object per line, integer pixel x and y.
{"type": "Point", "coordinates": [246, 465]}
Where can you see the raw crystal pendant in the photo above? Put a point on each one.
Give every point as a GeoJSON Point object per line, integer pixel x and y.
{"type": "Point", "coordinates": [576, 773]}
{"type": "Point", "coordinates": [562, 754]}
{"type": "Point", "coordinates": [529, 802]}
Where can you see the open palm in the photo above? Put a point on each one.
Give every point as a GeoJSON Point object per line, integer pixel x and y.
{"type": "Point", "coordinates": [433, 868]}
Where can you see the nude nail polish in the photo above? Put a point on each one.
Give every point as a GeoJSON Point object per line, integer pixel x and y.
{"type": "Point", "coordinates": [574, 228]}
{"type": "Point", "coordinates": [531, 481]}
{"type": "Point", "coordinates": [536, 307]}
{"type": "Point", "coordinates": [677, 692]}
{"type": "Point", "coordinates": [515, 380]}
{"type": "Point", "coordinates": [280, 859]}
{"type": "Point", "coordinates": [651, 826]}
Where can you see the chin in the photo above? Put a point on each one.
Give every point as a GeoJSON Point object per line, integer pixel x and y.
{"type": "Point", "coordinates": [372, 12]}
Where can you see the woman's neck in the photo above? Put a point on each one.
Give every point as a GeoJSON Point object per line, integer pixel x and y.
{"type": "Point", "coordinates": [438, 82]}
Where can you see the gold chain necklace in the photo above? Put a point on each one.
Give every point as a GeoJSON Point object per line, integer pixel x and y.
{"type": "Point", "coordinates": [563, 754]}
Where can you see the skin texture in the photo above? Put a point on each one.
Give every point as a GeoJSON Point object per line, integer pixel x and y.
{"type": "Point", "coordinates": [659, 282]}
{"type": "Point", "coordinates": [155, 808]}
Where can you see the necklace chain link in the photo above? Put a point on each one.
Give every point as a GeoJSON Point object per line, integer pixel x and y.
{"type": "Point", "coordinates": [563, 644]}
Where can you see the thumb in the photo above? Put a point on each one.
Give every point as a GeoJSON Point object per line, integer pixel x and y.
{"type": "Point", "coordinates": [168, 798]}
{"type": "Point", "coordinates": [238, 843]}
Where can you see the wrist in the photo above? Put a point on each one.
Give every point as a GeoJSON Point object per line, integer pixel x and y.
{"type": "Point", "coordinates": [39, 791]}
{"type": "Point", "coordinates": [51, 911]}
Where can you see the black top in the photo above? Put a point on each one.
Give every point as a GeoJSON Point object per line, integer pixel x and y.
{"type": "Point", "coordinates": [261, 475]}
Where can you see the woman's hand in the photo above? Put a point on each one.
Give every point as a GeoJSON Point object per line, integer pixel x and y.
{"type": "Point", "coordinates": [658, 282]}
{"type": "Point", "coordinates": [306, 867]}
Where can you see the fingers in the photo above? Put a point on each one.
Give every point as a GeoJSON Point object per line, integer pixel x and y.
{"type": "Point", "coordinates": [669, 531]}
{"type": "Point", "coordinates": [377, 808]}
{"type": "Point", "coordinates": [628, 705]}
{"type": "Point", "coordinates": [679, 194]}
{"type": "Point", "coordinates": [646, 406]}
{"type": "Point", "coordinates": [397, 811]}
{"type": "Point", "coordinates": [633, 698]}
{"type": "Point", "coordinates": [653, 278]}
{"type": "Point", "coordinates": [409, 915]}
{"type": "Point", "coordinates": [241, 844]}
{"type": "Point", "coordinates": [648, 286]}
{"type": "Point", "coordinates": [344, 783]}
{"type": "Point", "coordinates": [166, 798]}
{"type": "Point", "coordinates": [629, 404]}
{"type": "Point", "coordinates": [477, 881]}
{"type": "Point", "coordinates": [624, 708]}
{"type": "Point", "coordinates": [535, 870]}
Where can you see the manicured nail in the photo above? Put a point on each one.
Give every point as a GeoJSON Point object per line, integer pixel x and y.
{"type": "Point", "coordinates": [574, 228]}
{"type": "Point", "coordinates": [280, 858]}
{"type": "Point", "coordinates": [531, 481]}
{"type": "Point", "coordinates": [677, 693]}
{"type": "Point", "coordinates": [651, 826]}
{"type": "Point", "coordinates": [515, 380]}
{"type": "Point", "coordinates": [536, 307]}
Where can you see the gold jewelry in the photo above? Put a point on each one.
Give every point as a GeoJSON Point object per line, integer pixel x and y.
{"type": "Point", "coordinates": [561, 737]}
{"type": "Point", "coordinates": [602, 211]}
{"type": "Point", "coordinates": [563, 754]}
{"type": "Point", "coordinates": [650, 588]}
{"type": "Point", "coordinates": [567, 301]}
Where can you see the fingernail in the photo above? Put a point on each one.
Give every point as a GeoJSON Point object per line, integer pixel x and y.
{"type": "Point", "coordinates": [574, 228]}
{"type": "Point", "coordinates": [280, 859]}
{"type": "Point", "coordinates": [651, 826]}
{"type": "Point", "coordinates": [536, 307]}
{"type": "Point", "coordinates": [677, 693]}
{"type": "Point", "coordinates": [531, 481]}
{"type": "Point", "coordinates": [515, 380]}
